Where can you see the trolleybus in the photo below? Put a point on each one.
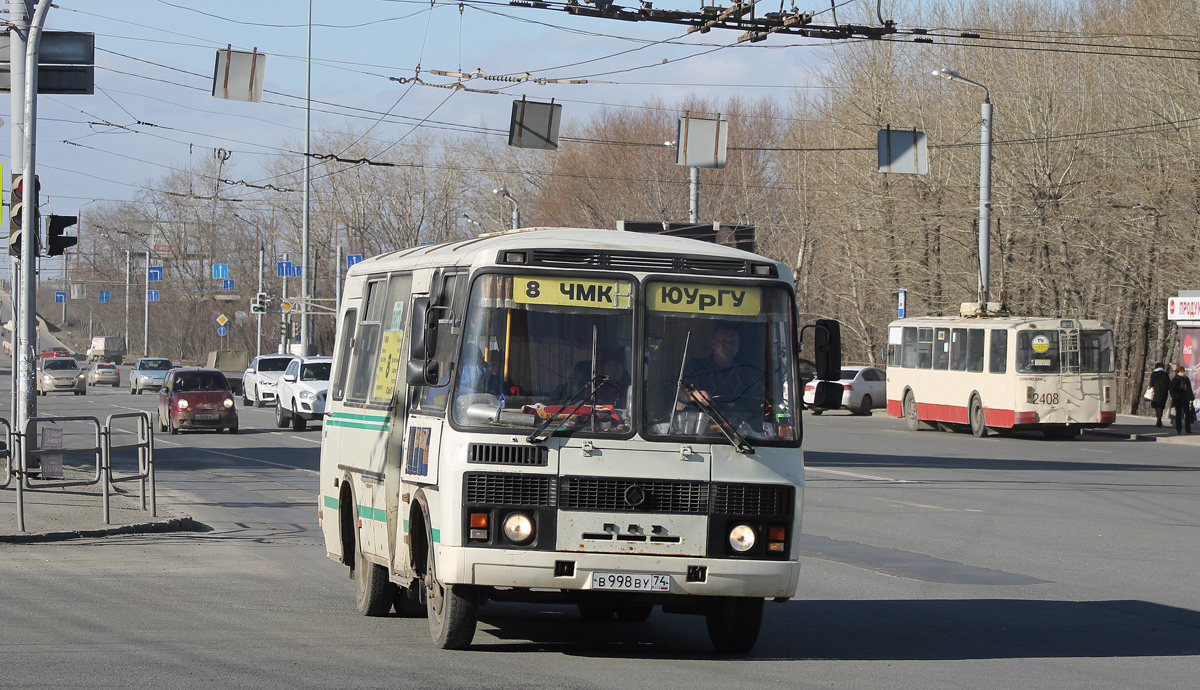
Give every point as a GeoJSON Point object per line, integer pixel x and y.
{"type": "Point", "coordinates": [1002, 373]}
{"type": "Point", "coordinates": [600, 418]}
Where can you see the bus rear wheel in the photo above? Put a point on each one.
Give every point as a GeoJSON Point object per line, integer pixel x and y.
{"type": "Point", "coordinates": [733, 624]}
{"type": "Point", "coordinates": [910, 412]}
{"type": "Point", "coordinates": [978, 429]}
{"type": "Point", "coordinates": [452, 609]}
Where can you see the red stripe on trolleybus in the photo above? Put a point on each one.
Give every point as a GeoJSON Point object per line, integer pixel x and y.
{"type": "Point", "coordinates": [942, 413]}
{"type": "Point", "coordinates": [895, 408]}
{"type": "Point", "coordinates": [998, 418]}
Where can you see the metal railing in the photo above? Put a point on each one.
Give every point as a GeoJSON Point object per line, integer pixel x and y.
{"type": "Point", "coordinates": [25, 460]}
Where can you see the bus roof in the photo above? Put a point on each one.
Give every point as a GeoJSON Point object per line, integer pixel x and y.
{"type": "Point", "coordinates": [1000, 322]}
{"type": "Point", "coordinates": [575, 248]}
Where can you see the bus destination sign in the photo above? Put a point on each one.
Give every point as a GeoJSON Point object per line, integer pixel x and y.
{"type": "Point", "coordinates": [697, 298]}
{"type": "Point", "coordinates": [573, 292]}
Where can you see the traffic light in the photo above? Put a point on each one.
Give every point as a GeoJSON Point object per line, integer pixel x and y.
{"type": "Point", "coordinates": [56, 242]}
{"type": "Point", "coordinates": [16, 209]}
{"type": "Point", "coordinates": [258, 305]}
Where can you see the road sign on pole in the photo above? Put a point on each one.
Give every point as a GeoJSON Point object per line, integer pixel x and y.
{"type": "Point", "coordinates": [295, 271]}
{"type": "Point", "coordinates": [60, 297]}
{"type": "Point", "coordinates": [222, 320]}
{"type": "Point", "coordinates": [152, 295]}
{"type": "Point", "coordinates": [352, 259]}
{"type": "Point", "coordinates": [105, 297]}
{"type": "Point", "coordinates": [227, 284]}
{"type": "Point", "coordinates": [154, 274]}
{"type": "Point", "coordinates": [283, 269]}
{"type": "Point", "coordinates": [286, 306]}
{"type": "Point", "coordinates": [900, 303]}
{"type": "Point", "coordinates": [220, 271]}
{"type": "Point", "coordinates": [222, 331]}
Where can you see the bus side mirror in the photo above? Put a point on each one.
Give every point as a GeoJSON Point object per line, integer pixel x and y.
{"type": "Point", "coordinates": [419, 328]}
{"type": "Point", "coordinates": [827, 395]}
{"type": "Point", "coordinates": [422, 372]}
{"type": "Point", "coordinates": [827, 349]}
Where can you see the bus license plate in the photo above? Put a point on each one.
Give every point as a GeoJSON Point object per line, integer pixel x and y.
{"type": "Point", "coordinates": [207, 417]}
{"type": "Point", "coordinates": [632, 582]}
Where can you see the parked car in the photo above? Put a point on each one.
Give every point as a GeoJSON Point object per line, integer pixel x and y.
{"type": "Point", "coordinates": [300, 394]}
{"type": "Point", "coordinates": [865, 389]}
{"type": "Point", "coordinates": [261, 378]}
{"type": "Point", "coordinates": [55, 351]}
{"type": "Point", "coordinates": [196, 398]}
{"type": "Point", "coordinates": [148, 374]}
{"type": "Point", "coordinates": [104, 372]}
{"type": "Point", "coordinates": [61, 374]}
{"type": "Point", "coordinates": [806, 370]}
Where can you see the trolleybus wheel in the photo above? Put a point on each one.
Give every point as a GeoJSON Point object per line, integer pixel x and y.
{"type": "Point", "coordinates": [864, 406]}
{"type": "Point", "coordinates": [452, 609]}
{"type": "Point", "coordinates": [733, 624]}
{"type": "Point", "coordinates": [407, 601]}
{"type": "Point", "coordinates": [372, 591]}
{"type": "Point", "coordinates": [634, 613]}
{"type": "Point", "coordinates": [976, 411]}
{"type": "Point", "coordinates": [910, 412]}
{"type": "Point", "coordinates": [596, 612]}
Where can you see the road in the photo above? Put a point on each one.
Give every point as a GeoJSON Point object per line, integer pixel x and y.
{"type": "Point", "coordinates": [932, 560]}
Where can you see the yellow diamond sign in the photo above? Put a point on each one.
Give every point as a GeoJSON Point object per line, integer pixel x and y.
{"type": "Point", "coordinates": [222, 320]}
{"type": "Point", "coordinates": [285, 306]}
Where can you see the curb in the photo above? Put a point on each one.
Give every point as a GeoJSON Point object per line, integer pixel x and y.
{"type": "Point", "coordinates": [183, 524]}
{"type": "Point", "coordinates": [1117, 434]}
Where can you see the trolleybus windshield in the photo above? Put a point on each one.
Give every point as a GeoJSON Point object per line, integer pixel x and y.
{"type": "Point", "coordinates": [548, 349]}
{"type": "Point", "coordinates": [730, 345]}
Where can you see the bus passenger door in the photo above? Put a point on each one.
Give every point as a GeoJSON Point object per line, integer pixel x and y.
{"type": "Point", "coordinates": [1071, 383]}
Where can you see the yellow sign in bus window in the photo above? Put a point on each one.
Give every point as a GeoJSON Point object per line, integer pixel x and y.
{"type": "Point", "coordinates": [389, 365]}
{"type": "Point", "coordinates": [573, 292]}
{"type": "Point", "coordinates": [697, 298]}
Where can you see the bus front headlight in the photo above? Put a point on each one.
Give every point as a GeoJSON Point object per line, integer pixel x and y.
{"type": "Point", "coordinates": [518, 528]}
{"type": "Point", "coordinates": [741, 538]}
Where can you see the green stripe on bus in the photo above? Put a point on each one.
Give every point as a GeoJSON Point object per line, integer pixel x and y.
{"type": "Point", "coordinates": [331, 502]}
{"type": "Point", "coordinates": [357, 425]}
{"type": "Point", "coordinates": [369, 513]}
{"type": "Point", "coordinates": [362, 417]}
{"type": "Point", "coordinates": [380, 515]}
{"type": "Point", "coordinates": [437, 535]}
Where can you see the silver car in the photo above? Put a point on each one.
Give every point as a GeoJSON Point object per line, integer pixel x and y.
{"type": "Point", "coordinates": [105, 373]}
{"type": "Point", "coordinates": [60, 374]}
{"type": "Point", "coordinates": [148, 374]}
{"type": "Point", "coordinates": [865, 389]}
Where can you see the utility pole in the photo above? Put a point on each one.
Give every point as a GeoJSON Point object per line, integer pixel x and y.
{"type": "Point", "coordinates": [337, 287]}
{"type": "Point", "coordinates": [284, 339]}
{"type": "Point", "coordinates": [258, 343]}
{"type": "Point", "coordinates": [694, 197]}
{"type": "Point", "coordinates": [18, 12]}
{"type": "Point", "coordinates": [128, 271]}
{"type": "Point", "coordinates": [146, 319]}
{"type": "Point", "coordinates": [305, 275]}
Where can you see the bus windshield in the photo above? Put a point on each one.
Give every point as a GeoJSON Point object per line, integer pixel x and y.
{"type": "Point", "coordinates": [556, 349]}
{"type": "Point", "coordinates": [723, 347]}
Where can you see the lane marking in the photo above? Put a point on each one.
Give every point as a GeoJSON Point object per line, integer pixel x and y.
{"type": "Point", "coordinates": [1094, 450]}
{"type": "Point", "coordinates": [301, 438]}
{"type": "Point", "coordinates": [922, 505]}
{"type": "Point", "coordinates": [265, 462]}
{"type": "Point", "coordinates": [873, 478]}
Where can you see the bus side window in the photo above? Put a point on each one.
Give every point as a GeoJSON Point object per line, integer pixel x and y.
{"type": "Point", "coordinates": [924, 348]}
{"type": "Point", "coordinates": [366, 343]}
{"type": "Point", "coordinates": [941, 349]}
{"type": "Point", "coordinates": [432, 399]}
{"type": "Point", "coordinates": [958, 349]}
{"type": "Point", "coordinates": [975, 349]}
{"type": "Point", "coordinates": [349, 321]}
{"type": "Point", "coordinates": [910, 347]}
{"type": "Point", "coordinates": [998, 363]}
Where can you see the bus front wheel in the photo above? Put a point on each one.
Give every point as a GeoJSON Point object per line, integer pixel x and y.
{"type": "Point", "coordinates": [978, 429]}
{"type": "Point", "coordinates": [733, 624]}
{"type": "Point", "coordinates": [910, 412]}
{"type": "Point", "coordinates": [452, 609]}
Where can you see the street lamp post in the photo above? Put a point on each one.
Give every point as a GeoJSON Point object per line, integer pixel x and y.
{"type": "Point", "coordinates": [516, 211]}
{"type": "Point", "coordinates": [985, 180]}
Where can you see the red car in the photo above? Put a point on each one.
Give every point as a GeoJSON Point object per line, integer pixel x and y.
{"type": "Point", "coordinates": [55, 352]}
{"type": "Point", "coordinates": [196, 398]}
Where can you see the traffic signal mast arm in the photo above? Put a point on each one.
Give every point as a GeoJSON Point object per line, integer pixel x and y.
{"type": "Point", "coordinates": [262, 302]}
{"type": "Point", "coordinates": [740, 16]}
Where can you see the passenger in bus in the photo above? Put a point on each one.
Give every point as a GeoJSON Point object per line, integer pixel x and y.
{"type": "Point", "coordinates": [1160, 383]}
{"type": "Point", "coordinates": [720, 380]}
{"type": "Point", "coordinates": [1182, 397]}
{"type": "Point", "coordinates": [615, 389]}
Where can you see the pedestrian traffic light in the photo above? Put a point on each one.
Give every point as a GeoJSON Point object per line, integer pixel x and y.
{"type": "Point", "coordinates": [16, 209]}
{"type": "Point", "coordinates": [56, 241]}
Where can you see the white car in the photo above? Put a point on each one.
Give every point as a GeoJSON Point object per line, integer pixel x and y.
{"type": "Point", "coordinates": [300, 395]}
{"type": "Point", "coordinates": [865, 389]}
{"type": "Point", "coordinates": [261, 379]}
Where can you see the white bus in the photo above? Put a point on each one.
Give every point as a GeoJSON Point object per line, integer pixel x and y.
{"type": "Point", "coordinates": [511, 418]}
{"type": "Point", "coordinates": [1002, 373]}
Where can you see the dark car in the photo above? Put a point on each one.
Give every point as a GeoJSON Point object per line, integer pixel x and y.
{"type": "Point", "coordinates": [196, 398]}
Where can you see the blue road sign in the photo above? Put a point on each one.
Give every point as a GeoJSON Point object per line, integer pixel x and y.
{"type": "Point", "coordinates": [154, 274]}
{"type": "Point", "coordinates": [295, 272]}
{"type": "Point", "coordinates": [60, 297]}
{"type": "Point", "coordinates": [283, 269]}
{"type": "Point", "coordinates": [227, 284]}
{"type": "Point", "coordinates": [900, 304]}
{"type": "Point", "coordinates": [352, 259]}
{"type": "Point", "coordinates": [152, 295]}
{"type": "Point", "coordinates": [222, 331]}
{"type": "Point", "coordinates": [105, 297]}
{"type": "Point", "coordinates": [220, 271]}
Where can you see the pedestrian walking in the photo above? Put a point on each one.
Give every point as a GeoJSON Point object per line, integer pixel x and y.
{"type": "Point", "coordinates": [1160, 383]}
{"type": "Point", "coordinates": [1181, 399]}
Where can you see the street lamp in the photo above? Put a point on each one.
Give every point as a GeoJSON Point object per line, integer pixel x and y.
{"type": "Point", "coordinates": [985, 179]}
{"type": "Point", "coordinates": [472, 220]}
{"type": "Point", "coordinates": [516, 212]}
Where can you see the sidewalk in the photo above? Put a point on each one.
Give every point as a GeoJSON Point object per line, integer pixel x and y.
{"type": "Point", "coordinates": [78, 511]}
{"type": "Point", "coordinates": [1137, 428]}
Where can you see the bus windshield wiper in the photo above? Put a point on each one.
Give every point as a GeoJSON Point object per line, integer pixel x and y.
{"type": "Point", "coordinates": [740, 444]}
{"type": "Point", "coordinates": [565, 410]}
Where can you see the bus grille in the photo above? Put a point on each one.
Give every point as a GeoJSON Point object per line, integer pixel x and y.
{"type": "Point", "coordinates": [500, 454]}
{"type": "Point", "coordinates": [637, 261]}
{"type": "Point", "coordinates": [775, 500]}
{"type": "Point", "coordinates": [509, 489]}
{"type": "Point", "coordinates": [616, 494]}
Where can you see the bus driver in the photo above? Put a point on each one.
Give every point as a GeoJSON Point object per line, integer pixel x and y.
{"type": "Point", "coordinates": [720, 380]}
